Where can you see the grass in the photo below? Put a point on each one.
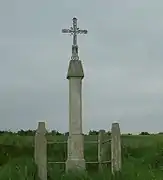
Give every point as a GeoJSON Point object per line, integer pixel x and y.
{"type": "Point", "coordinates": [142, 159]}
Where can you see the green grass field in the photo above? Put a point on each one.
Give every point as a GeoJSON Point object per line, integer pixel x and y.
{"type": "Point", "coordinates": [142, 159]}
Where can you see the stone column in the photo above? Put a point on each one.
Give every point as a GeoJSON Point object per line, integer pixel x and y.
{"type": "Point", "coordinates": [75, 160]}
{"type": "Point", "coordinates": [116, 157]}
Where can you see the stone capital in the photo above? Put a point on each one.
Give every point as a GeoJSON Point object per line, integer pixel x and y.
{"type": "Point", "coordinates": [75, 69]}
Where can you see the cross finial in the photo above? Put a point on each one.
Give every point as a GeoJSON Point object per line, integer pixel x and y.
{"type": "Point", "coordinates": [74, 30]}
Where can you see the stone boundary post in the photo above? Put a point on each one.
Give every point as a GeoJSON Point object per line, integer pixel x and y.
{"type": "Point", "coordinates": [115, 149]}
{"type": "Point", "coordinates": [40, 151]}
{"type": "Point", "coordinates": [101, 157]}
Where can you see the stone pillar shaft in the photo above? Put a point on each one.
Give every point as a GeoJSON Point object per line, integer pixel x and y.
{"type": "Point", "coordinates": [75, 158]}
{"type": "Point", "coordinates": [75, 106]}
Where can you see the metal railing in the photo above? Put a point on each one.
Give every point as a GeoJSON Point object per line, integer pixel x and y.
{"type": "Point", "coordinates": [41, 142]}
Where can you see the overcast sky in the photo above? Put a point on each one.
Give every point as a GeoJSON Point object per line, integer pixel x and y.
{"type": "Point", "coordinates": [122, 57]}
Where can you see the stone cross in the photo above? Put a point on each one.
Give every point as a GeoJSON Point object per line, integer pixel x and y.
{"type": "Point", "coordinates": [74, 30]}
{"type": "Point", "coordinates": [75, 159]}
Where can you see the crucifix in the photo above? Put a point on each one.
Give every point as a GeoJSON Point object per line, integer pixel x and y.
{"type": "Point", "coordinates": [74, 30]}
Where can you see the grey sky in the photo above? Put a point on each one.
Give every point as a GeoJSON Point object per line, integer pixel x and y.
{"type": "Point", "coordinates": [122, 58]}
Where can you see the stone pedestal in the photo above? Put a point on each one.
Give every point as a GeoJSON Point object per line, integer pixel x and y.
{"type": "Point", "coordinates": [75, 160]}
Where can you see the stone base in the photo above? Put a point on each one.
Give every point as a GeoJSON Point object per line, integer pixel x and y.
{"type": "Point", "coordinates": [75, 164]}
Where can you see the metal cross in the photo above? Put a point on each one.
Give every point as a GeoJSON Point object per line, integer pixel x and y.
{"type": "Point", "coordinates": [74, 30]}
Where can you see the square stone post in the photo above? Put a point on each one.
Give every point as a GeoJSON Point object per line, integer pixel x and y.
{"type": "Point", "coordinates": [116, 161]}
{"type": "Point", "coordinates": [40, 153]}
{"type": "Point", "coordinates": [75, 160]}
